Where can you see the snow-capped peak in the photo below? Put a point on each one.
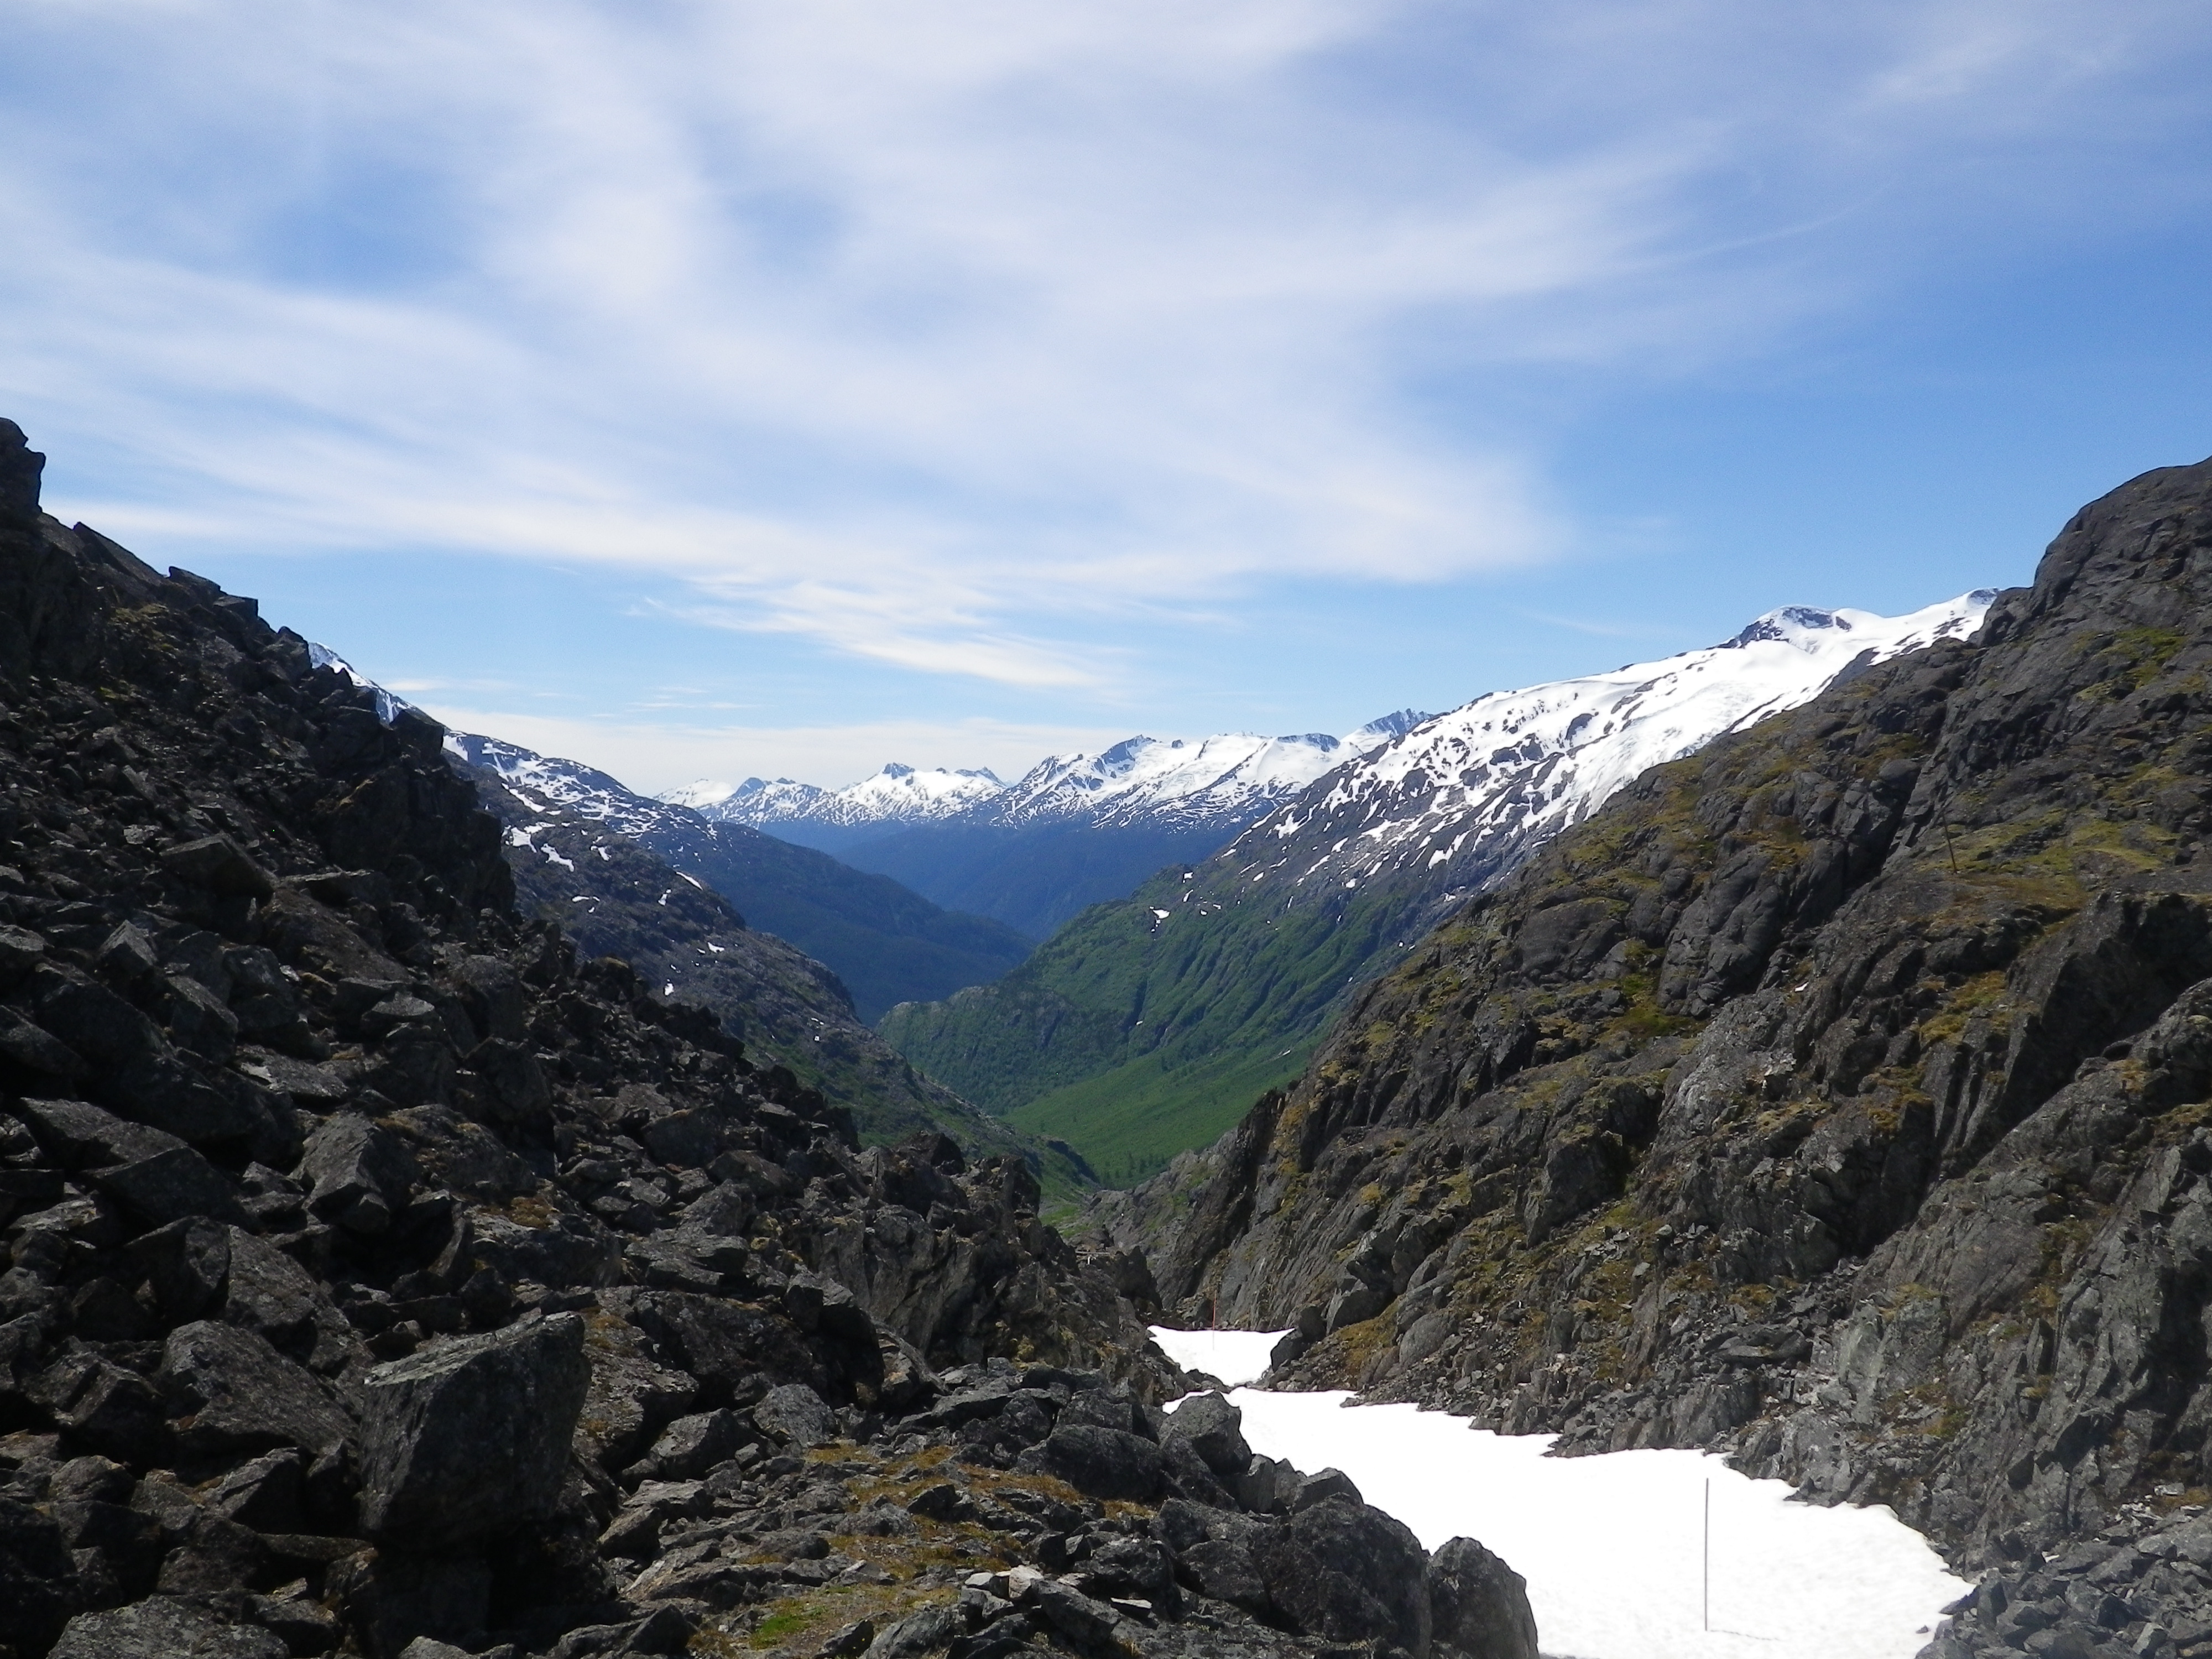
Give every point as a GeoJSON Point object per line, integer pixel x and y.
{"type": "Point", "coordinates": [1473, 788]}
{"type": "Point", "coordinates": [1176, 783]}
{"type": "Point", "coordinates": [703, 791]}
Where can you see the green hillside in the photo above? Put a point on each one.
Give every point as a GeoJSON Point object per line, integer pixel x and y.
{"type": "Point", "coordinates": [1134, 1034]}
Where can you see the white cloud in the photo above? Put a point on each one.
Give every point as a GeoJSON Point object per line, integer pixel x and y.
{"type": "Point", "coordinates": [956, 335]}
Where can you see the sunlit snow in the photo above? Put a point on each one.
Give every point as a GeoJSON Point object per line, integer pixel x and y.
{"type": "Point", "coordinates": [1613, 1547]}
{"type": "Point", "coordinates": [1234, 1357]}
{"type": "Point", "coordinates": [1516, 766]}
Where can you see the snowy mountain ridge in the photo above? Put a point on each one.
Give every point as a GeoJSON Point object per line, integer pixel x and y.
{"type": "Point", "coordinates": [1165, 781]}
{"type": "Point", "coordinates": [1513, 768]}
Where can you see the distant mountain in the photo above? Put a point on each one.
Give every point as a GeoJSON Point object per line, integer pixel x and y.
{"type": "Point", "coordinates": [884, 941]}
{"type": "Point", "coordinates": [1073, 830]}
{"type": "Point", "coordinates": [618, 898]}
{"type": "Point", "coordinates": [1146, 1026]}
{"type": "Point", "coordinates": [832, 819]}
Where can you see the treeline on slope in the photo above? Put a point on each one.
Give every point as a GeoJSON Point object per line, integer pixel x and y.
{"type": "Point", "coordinates": [1840, 1098]}
{"type": "Point", "coordinates": [384, 1278]}
{"type": "Point", "coordinates": [886, 943]}
{"type": "Point", "coordinates": [617, 899]}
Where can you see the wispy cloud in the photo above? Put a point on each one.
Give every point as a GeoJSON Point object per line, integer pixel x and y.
{"type": "Point", "coordinates": [948, 334]}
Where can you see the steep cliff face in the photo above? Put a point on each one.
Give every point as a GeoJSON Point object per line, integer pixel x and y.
{"type": "Point", "coordinates": [1838, 1095]}
{"type": "Point", "coordinates": [382, 1278]}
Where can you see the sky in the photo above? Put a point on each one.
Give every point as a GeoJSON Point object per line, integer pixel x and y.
{"type": "Point", "coordinates": [714, 390]}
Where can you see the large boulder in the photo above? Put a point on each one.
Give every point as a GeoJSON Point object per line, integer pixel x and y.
{"type": "Point", "coordinates": [233, 1394]}
{"type": "Point", "coordinates": [1478, 1606]}
{"type": "Point", "coordinates": [150, 1171]}
{"type": "Point", "coordinates": [164, 1627]}
{"type": "Point", "coordinates": [795, 1413]}
{"type": "Point", "coordinates": [469, 1439]}
{"type": "Point", "coordinates": [1215, 1430]}
{"type": "Point", "coordinates": [38, 1579]}
{"type": "Point", "coordinates": [1347, 1572]}
{"type": "Point", "coordinates": [1108, 1463]}
{"type": "Point", "coordinates": [358, 1174]}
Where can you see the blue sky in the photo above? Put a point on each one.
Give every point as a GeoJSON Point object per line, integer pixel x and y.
{"type": "Point", "coordinates": [715, 389]}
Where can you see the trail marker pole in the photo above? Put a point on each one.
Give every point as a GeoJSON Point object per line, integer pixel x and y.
{"type": "Point", "coordinates": [1708, 1553]}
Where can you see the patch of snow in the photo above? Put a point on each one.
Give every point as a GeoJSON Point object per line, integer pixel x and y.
{"type": "Point", "coordinates": [1235, 1356]}
{"type": "Point", "coordinates": [1612, 1545]}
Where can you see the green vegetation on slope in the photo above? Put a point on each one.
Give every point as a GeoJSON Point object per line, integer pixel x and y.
{"type": "Point", "coordinates": [1128, 1123]}
{"type": "Point", "coordinates": [1134, 1034]}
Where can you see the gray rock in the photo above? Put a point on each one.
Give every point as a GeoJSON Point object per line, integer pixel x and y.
{"type": "Point", "coordinates": [926, 1632]}
{"type": "Point", "coordinates": [38, 1579]}
{"type": "Point", "coordinates": [20, 951]}
{"type": "Point", "coordinates": [1086, 1623]}
{"type": "Point", "coordinates": [1347, 1572]}
{"type": "Point", "coordinates": [1215, 1430]}
{"type": "Point", "coordinates": [186, 1265]}
{"type": "Point", "coordinates": [690, 1446]}
{"type": "Point", "coordinates": [358, 1175]}
{"type": "Point", "coordinates": [37, 1049]}
{"type": "Point", "coordinates": [1478, 1606]}
{"type": "Point", "coordinates": [163, 1627]}
{"type": "Point", "coordinates": [238, 1394]}
{"type": "Point", "coordinates": [796, 1414]}
{"type": "Point", "coordinates": [1106, 1464]}
{"type": "Point", "coordinates": [469, 1439]}
{"type": "Point", "coordinates": [1320, 1488]}
{"type": "Point", "coordinates": [274, 1296]}
{"type": "Point", "coordinates": [115, 1411]}
{"type": "Point", "coordinates": [220, 865]}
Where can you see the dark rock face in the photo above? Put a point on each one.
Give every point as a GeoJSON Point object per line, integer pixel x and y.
{"type": "Point", "coordinates": [471, 1439]}
{"type": "Point", "coordinates": [1478, 1605]}
{"type": "Point", "coordinates": [381, 1279]}
{"type": "Point", "coordinates": [1836, 1098]}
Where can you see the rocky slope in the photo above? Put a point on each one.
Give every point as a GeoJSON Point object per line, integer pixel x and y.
{"type": "Point", "coordinates": [1073, 830]}
{"type": "Point", "coordinates": [384, 1278]}
{"type": "Point", "coordinates": [1841, 1096]}
{"type": "Point", "coordinates": [884, 941]}
{"type": "Point", "coordinates": [1145, 1028]}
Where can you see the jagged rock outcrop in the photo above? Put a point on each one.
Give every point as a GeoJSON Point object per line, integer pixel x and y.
{"type": "Point", "coordinates": [1838, 1097]}
{"type": "Point", "coordinates": [384, 1279]}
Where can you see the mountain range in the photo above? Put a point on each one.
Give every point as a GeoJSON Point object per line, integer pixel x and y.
{"type": "Point", "coordinates": [1147, 1025]}
{"type": "Point", "coordinates": [1074, 830]}
{"type": "Point", "coordinates": [886, 943]}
